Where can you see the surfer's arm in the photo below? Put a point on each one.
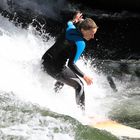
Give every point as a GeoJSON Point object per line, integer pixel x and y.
{"type": "Point", "coordinates": [78, 17]}
{"type": "Point", "coordinates": [80, 46]}
{"type": "Point", "coordinates": [75, 69]}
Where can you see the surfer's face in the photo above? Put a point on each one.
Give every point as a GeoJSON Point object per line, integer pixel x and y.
{"type": "Point", "coordinates": [89, 34]}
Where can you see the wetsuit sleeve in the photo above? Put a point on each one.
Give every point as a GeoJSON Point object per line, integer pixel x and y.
{"type": "Point", "coordinates": [80, 47]}
{"type": "Point", "coordinates": [73, 35]}
{"type": "Point", "coordinates": [75, 69]}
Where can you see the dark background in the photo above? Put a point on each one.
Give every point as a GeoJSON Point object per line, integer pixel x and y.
{"type": "Point", "coordinates": [118, 20]}
{"type": "Point", "coordinates": [113, 5]}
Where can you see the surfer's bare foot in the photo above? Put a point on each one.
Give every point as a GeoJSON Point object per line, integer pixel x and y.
{"type": "Point", "coordinates": [58, 86]}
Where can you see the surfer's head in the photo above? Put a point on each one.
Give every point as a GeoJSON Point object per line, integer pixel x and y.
{"type": "Point", "coordinates": [88, 28]}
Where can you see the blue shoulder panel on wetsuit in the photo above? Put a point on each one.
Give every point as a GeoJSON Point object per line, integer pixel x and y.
{"type": "Point", "coordinates": [73, 35]}
{"type": "Point", "coordinates": [70, 25]}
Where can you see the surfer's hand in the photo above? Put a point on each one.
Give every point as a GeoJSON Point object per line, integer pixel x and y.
{"type": "Point", "coordinates": [88, 79]}
{"type": "Point", "coordinates": [78, 17]}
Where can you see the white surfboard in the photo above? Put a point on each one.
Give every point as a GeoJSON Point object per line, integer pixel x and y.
{"type": "Point", "coordinates": [114, 127]}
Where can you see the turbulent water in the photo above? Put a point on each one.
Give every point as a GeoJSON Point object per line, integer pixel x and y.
{"type": "Point", "coordinates": [30, 109]}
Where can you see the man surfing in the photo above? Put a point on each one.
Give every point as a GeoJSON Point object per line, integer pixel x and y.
{"type": "Point", "coordinates": [60, 60]}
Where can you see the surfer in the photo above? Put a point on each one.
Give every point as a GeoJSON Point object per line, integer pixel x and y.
{"type": "Point", "coordinates": [60, 60]}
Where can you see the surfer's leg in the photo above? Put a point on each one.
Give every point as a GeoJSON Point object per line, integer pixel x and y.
{"type": "Point", "coordinates": [112, 84]}
{"type": "Point", "coordinates": [68, 77]}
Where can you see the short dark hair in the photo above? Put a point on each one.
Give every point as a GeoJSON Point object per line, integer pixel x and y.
{"type": "Point", "coordinates": [87, 24]}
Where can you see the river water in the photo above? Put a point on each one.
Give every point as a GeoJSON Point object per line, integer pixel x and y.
{"type": "Point", "coordinates": [30, 109]}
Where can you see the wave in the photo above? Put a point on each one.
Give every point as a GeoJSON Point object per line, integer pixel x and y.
{"type": "Point", "coordinates": [20, 120]}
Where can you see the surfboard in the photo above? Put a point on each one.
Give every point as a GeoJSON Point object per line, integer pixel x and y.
{"type": "Point", "coordinates": [114, 127]}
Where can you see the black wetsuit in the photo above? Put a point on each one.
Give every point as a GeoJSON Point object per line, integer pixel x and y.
{"type": "Point", "coordinates": [67, 50]}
